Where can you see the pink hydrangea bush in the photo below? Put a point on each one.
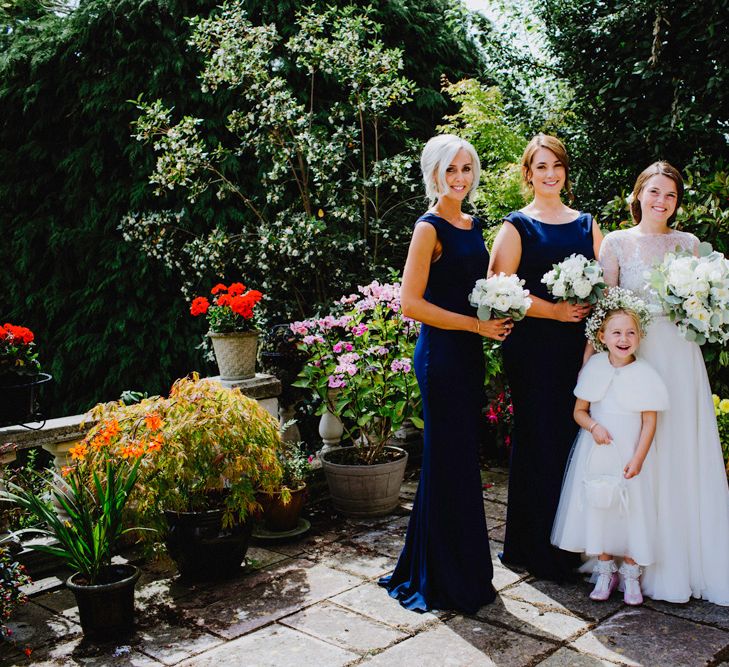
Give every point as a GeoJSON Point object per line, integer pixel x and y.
{"type": "Point", "coordinates": [360, 365]}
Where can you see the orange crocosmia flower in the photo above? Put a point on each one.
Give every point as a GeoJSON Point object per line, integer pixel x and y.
{"type": "Point", "coordinates": [99, 441]}
{"type": "Point", "coordinates": [155, 444]}
{"type": "Point", "coordinates": [236, 289]}
{"type": "Point", "coordinates": [66, 471]}
{"type": "Point", "coordinates": [153, 421]}
{"type": "Point", "coordinates": [219, 288]}
{"type": "Point", "coordinates": [79, 451]}
{"type": "Point", "coordinates": [111, 428]}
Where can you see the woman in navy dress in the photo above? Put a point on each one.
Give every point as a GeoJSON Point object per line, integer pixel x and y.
{"type": "Point", "coordinates": [446, 561]}
{"type": "Point", "coordinates": [542, 357]}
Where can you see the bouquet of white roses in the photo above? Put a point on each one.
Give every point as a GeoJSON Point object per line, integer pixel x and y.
{"type": "Point", "coordinates": [500, 296]}
{"type": "Point", "coordinates": [694, 293]}
{"type": "Point", "coordinates": [575, 279]}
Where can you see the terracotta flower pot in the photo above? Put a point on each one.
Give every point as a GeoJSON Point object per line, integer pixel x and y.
{"type": "Point", "coordinates": [279, 517]}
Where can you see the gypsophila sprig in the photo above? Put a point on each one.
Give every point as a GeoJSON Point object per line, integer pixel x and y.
{"type": "Point", "coordinates": [575, 279]}
{"type": "Point", "coordinates": [360, 366]}
{"type": "Point", "coordinates": [615, 298]}
{"type": "Point", "coordinates": [694, 293]}
{"type": "Point", "coordinates": [500, 296]}
{"type": "Point", "coordinates": [229, 308]}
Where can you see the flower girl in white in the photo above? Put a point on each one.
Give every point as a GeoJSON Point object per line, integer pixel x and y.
{"type": "Point", "coordinates": [607, 506]}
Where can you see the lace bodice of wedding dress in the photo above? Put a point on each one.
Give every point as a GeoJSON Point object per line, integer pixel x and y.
{"type": "Point", "coordinates": [626, 255]}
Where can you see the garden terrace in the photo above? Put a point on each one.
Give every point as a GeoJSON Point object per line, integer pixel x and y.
{"type": "Point", "coordinates": [315, 601]}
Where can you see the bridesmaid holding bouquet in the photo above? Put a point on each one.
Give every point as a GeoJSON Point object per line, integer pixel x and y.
{"type": "Point", "coordinates": [542, 356]}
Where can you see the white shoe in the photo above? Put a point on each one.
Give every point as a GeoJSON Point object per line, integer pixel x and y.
{"type": "Point", "coordinates": [632, 594]}
{"type": "Point", "coordinates": [607, 580]}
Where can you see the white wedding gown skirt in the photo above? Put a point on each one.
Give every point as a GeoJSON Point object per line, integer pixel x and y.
{"type": "Point", "coordinates": [692, 531]}
{"type": "Point", "coordinates": [625, 529]}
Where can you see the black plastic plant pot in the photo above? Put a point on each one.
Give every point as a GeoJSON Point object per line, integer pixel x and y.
{"type": "Point", "coordinates": [202, 548]}
{"type": "Point", "coordinates": [106, 608]}
{"type": "Point", "coordinates": [19, 398]}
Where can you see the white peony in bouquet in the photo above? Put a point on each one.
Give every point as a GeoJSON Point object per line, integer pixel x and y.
{"type": "Point", "coordinates": [500, 296]}
{"type": "Point", "coordinates": [575, 279]}
{"type": "Point", "coordinates": [694, 293]}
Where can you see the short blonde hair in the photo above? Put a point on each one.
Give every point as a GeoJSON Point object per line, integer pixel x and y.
{"type": "Point", "coordinates": [660, 168]}
{"type": "Point", "coordinates": [552, 144]}
{"type": "Point", "coordinates": [437, 156]}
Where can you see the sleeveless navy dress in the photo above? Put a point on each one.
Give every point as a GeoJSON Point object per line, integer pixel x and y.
{"type": "Point", "coordinates": [446, 562]}
{"type": "Point", "coordinates": [542, 358]}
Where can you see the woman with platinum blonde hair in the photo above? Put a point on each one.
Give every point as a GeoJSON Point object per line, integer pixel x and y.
{"type": "Point", "coordinates": [446, 561]}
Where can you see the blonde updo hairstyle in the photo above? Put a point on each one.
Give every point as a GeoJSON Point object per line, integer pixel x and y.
{"type": "Point", "coordinates": [435, 160]}
{"type": "Point", "coordinates": [552, 144]}
{"type": "Point", "coordinates": [622, 311]}
{"type": "Point", "coordinates": [660, 168]}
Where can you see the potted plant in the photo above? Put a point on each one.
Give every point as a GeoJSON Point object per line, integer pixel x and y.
{"type": "Point", "coordinates": [86, 519]}
{"type": "Point", "coordinates": [282, 509]}
{"type": "Point", "coordinates": [360, 366]}
{"type": "Point", "coordinates": [20, 375]}
{"type": "Point", "coordinates": [232, 331]}
{"type": "Point", "coordinates": [199, 491]}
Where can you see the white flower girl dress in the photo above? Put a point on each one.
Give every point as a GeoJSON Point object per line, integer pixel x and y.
{"type": "Point", "coordinates": [617, 396]}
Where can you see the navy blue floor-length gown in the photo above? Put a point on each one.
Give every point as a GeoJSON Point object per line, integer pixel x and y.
{"type": "Point", "coordinates": [446, 562]}
{"type": "Point", "coordinates": [542, 358]}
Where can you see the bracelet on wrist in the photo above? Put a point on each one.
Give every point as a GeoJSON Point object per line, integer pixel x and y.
{"type": "Point", "coordinates": [592, 426]}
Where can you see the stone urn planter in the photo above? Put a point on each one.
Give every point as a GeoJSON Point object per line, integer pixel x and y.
{"type": "Point", "coordinates": [235, 354]}
{"type": "Point", "coordinates": [19, 398]}
{"type": "Point", "coordinates": [202, 548]}
{"type": "Point", "coordinates": [106, 609]}
{"type": "Point", "coordinates": [364, 490]}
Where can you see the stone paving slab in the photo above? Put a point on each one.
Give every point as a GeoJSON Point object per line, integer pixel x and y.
{"type": "Point", "coordinates": [353, 559]}
{"type": "Point", "coordinates": [275, 646]}
{"type": "Point", "coordinates": [694, 610]}
{"type": "Point", "coordinates": [172, 643]}
{"type": "Point", "coordinates": [258, 557]}
{"type": "Point", "coordinates": [497, 531]}
{"type": "Point", "coordinates": [646, 637]}
{"type": "Point", "coordinates": [35, 626]}
{"type": "Point", "coordinates": [241, 606]}
{"type": "Point", "coordinates": [495, 511]}
{"type": "Point", "coordinates": [78, 653]}
{"type": "Point", "coordinates": [343, 627]}
{"type": "Point", "coordinates": [502, 646]}
{"type": "Point", "coordinates": [440, 646]}
{"type": "Point", "coordinates": [532, 620]}
{"type": "Point", "coordinates": [388, 540]}
{"type": "Point", "coordinates": [372, 600]}
{"type": "Point", "coordinates": [566, 657]}
{"type": "Point", "coordinates": [564, 598]}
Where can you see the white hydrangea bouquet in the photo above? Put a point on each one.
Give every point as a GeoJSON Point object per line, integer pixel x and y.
{"type": "Point", "coordinates": [694, 293]}
{"type": "Point", "coordinates": [615, 298]}
{"type": "Point", "coordinates": [575, 279]}
{"type": "Point", "coordinates": [500, 296]}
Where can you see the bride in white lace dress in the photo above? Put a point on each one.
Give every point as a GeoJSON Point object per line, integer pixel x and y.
{"type": "Point", "coordinates": [692, 550]}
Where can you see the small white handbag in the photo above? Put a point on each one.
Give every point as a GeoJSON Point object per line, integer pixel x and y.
{"type": "Point", "coordinates": [605, 489]}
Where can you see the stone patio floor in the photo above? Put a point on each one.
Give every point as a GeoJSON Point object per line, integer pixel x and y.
{"type": "Point", "coordinates": [315, 602]}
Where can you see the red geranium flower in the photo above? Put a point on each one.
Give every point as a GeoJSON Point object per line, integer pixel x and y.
{"type": "Point", "coordinates": [199, 306]}
{"type": "Point", "coordinates": [236, 289]}
{"type": "Point", "coordinates": [218, 288]}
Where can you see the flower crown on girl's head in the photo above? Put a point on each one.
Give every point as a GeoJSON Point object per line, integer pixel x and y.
{"type": "Point", "coordinates": [616, 298]}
